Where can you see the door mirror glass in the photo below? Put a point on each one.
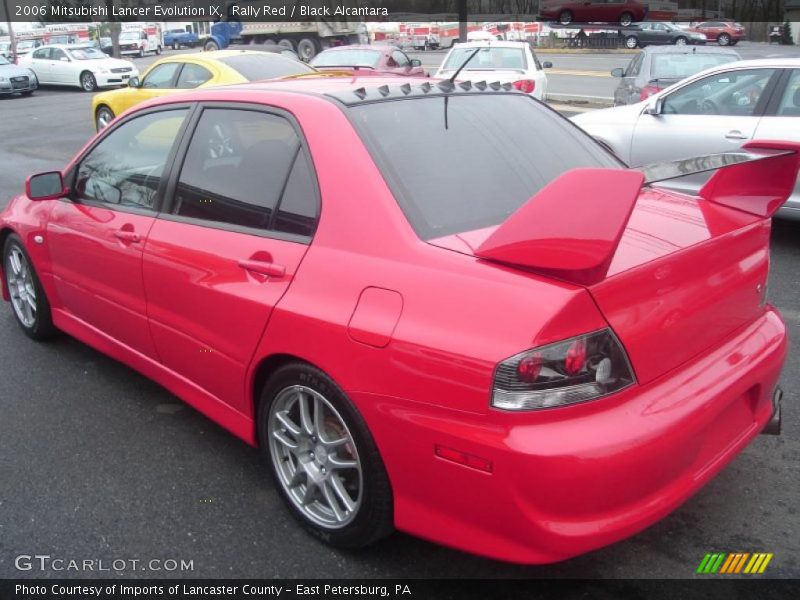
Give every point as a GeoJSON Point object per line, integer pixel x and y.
{"type": "Point", "coordinates": [64, 59]}
{"type": "Point", "coordinates": [547, 65]}
{"type": "Point", "coordinates": [618, 72]}
{"type": "Point", "coordinates": [133, 82]}
{"type": "Point", "coordinates": [45, 186]}
{"type": "Point", "coordinates": [415, 62]}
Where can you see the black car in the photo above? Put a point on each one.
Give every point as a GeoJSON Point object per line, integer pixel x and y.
{"type": "Point", "coordinates": [656, 68]}
{"type": "Point", "coordinates": [659, 33]}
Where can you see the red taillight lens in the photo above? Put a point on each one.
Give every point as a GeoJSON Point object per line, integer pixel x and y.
{"type": "Point", "coordinates": [648, 91]}
{"type": "Point", "coordinates": [525, 85]}
{"type": "Point", "coordinates": [584, 368]}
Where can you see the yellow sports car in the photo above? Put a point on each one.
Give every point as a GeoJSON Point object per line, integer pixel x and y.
{"type": "Point", "coordinates": [188, 71]}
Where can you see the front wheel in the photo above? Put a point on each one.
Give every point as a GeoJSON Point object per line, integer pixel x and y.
{"type": "Point", "coordinates": [625, 19]}
{"type": "Point", "coordinates": [565, 17]}
{"type": "Point", "coordinates": [30, 305]}
{"type": "Point", "coordinates": [724, 39]}
{"type": "Point", "coordinates": [158, 50]}
{"type": "Point", "coordinates": [88, 82]}
{"type": "Point", "coordinates": [103, 117]}
{"type": "Point", "coordinates": [141, 52]}
{"type": "Point", "coordinates": [210, 46]}
{"type": "Point", "coordinates": [681, 41]}
{"type": "Point", "coordinates": [631, 42]}
{"type": "Point", "coordinates": [176, 46]}
{"type": "Point", "coordinates": [324, 461]}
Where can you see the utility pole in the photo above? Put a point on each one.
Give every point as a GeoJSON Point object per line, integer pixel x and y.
{"type": "Point", "coordinates": [462, 20]}
{"type": "Point", "coordinates": [10, 30]}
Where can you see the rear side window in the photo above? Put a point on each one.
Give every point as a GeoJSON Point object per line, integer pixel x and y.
{"type": "Point", "coordinates": [255, 67]}
{"type": "Point", "coordinates": [246, 168]}
{"type": "Point", "coordinates": [192, 76]}
{"type": "Point", "coordinates": [466, 162]}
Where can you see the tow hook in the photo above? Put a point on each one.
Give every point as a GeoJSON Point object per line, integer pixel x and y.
{"type": "Point", "coordinates": [773, 426]}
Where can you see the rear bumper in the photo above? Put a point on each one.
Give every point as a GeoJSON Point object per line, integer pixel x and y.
{"type": "Point", "coordinates": [570, 480]}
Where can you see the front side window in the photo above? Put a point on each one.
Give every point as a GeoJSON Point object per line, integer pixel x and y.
{"type": "Point", "coordinates": [790, 103]}
{"type": "Point", "coordinates": [733, 93]}
{"type": "Point", "coordinates": [401, 59]}
{"type": "Point", "coordinates": [484, 156]}
{"type": "Point", "coordinates": [240, 169]}
{"type": "Point", "coordinates": [193, 76]}
{"type": "Point", "coordinates": [161, 76]}
{"type": "Point", "coordinates": [57, 54]}
{"type": "Point", "coordinates": [125, 168]}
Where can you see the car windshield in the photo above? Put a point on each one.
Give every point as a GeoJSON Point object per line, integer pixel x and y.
{"type": "Point", "coordinates": [86, 54]}
{"type": "Point", "coordinates": [484, 156]}
{"type": "Point", "coordinates": [680, 66]}
{"type": "Point", "coordinates": [347, 58]}
{"type": "Point", "coordinates": [487, 59]}
{"type": "Point", "coordinates": [127, 36]}
{"type": "Point", "coordinates": [263, 65]}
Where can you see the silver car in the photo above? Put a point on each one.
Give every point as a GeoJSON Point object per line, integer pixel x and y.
{"type": "Point", "coordinates": [716, 110]}
{"type": "Point", "coordinates": [16, 80]}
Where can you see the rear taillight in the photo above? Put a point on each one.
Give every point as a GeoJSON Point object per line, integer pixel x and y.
{"type": "Point", "coordinates": [648, 91]}
{"type": "Point", "coordinates": [583, 368]}
{"type": "Point", "coordinates": [525, 85]}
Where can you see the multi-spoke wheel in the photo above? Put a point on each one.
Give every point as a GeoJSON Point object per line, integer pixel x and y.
{"type": "Point", "coordinates": [323, 458]}
{"type": "Point", "coordinates": [28, 301]}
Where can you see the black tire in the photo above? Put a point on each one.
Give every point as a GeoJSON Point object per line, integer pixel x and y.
{"type": "Point", "coordinates": [28, 93]}
{"type": "Point", "coordinates": [631, 42]}
{"type": "Point", "coordinates": [158, 50]}
{"type": "Point", "coordinates": [307, 49]}
{"type": "Point", "coordinates": [176, 46]}
{"type": "Point", "coordinates": [210, 46]}
{"type": "Point", "coordinates": [681, 41]}
{"type": "Point", "coordinates": [565, 17]}
{"type": "Point", "coordinates": [103, 117]}
{"type": "Point", "coordinates": [42, 326]}
{"type": "Point", "coordinates": [287, 43]}
{"type": "Point", "coordinates": [374, 516]}
{"type": "Point", "coordinates": [625, 19]}
{"type": "Point", "coordinates": [724, 39]}
{"type": "Point", "coordinates": [88, 82]}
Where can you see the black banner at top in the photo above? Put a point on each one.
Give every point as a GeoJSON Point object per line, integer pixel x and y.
{"type": "Point", "coordinates": [62, 11]}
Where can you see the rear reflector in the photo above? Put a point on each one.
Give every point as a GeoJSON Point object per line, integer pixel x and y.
{"type": "Point", "coordinates": [462, 458]}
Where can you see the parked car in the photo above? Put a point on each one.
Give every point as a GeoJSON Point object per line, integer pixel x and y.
{"type": "Point", "coordinates": [402, 324]}
{"type": "Point", "coordinates": [183, 72]}
{"type": "Point", "coordinates": [647, 34]}
{"type": "Point", "coordinates": [725, 33]}
{"type": "Point", "coordinates": [80, 66]}
{"type": "Point", "coordinates": [106, 46]}
{"type": "Point", "coordinates": [175, 38]}
{"type": "Point", "coordinates": [140, 41]}
{"type": "Point", "coordinates": [658, 67]}
{"type": "Point", "coordinates": [378, 59]}
{"type": "Point", "coordinates": [16, 79]}
{"type": "Point", "coordinates": [717, 110]}
{"type": "Point", "coordinates": [505, 62]}
{"type": "Point", "coordinates": [566, 12]}
{"type": "Point", "coordinates": [5, 50]}
{"type": "Point", "coordinates": [27, 46]}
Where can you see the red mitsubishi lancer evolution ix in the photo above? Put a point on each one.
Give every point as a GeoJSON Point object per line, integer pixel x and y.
{"type": "Point", "coordinates": [502, 340]}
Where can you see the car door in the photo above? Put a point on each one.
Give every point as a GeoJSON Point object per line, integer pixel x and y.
{"type": "Point", "coordinates": [715, 113]}
{"type": "Point", "coordinates": [96, 236]}
{"type": "Point", "coordinates": [627, 91]}
{"type": "Point", "coordinates": [782, 122]}
{"type": "Point", "coordinates": [62, 68]}
{"type": "Point", "coordinates": [659, 34]}
{"type": "Point", "coordinates": [39, 63]}
{"type": "Point", "coordinates": [160, 80]}
{"type": "Point", "coordinates": [243, 208]}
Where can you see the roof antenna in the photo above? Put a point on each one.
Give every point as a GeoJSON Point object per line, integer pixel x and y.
{"type": "Point", "coordinates": [464, 64]}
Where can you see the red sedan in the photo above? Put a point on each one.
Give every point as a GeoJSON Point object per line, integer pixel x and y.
{"type": "Point", "coordinates": [522, 350]}
{"type": "Point", "coordinates": [725, 33]}
{"type": "Point", "coordinates": [369, 59]}
{"type": "Point", "coordinates": [565, 12]}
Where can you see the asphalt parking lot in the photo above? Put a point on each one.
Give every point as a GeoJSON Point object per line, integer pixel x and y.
{"type": "Point", "coordinates": [97, 462]}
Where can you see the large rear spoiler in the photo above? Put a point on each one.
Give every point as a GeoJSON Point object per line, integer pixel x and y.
{"type": "Point", "coordinates": [572, 227]}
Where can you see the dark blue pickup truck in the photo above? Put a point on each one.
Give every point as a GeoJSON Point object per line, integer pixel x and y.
{"type": "Point", "coordinates": [175, 38]}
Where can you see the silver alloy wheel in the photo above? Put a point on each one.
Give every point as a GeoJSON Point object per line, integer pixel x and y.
{"type": "Point", "coordinates": [88, 82]}
{"type": "Point", "coordinates": [104, 117]}
{"type": "Point", "coordinates": [631, 42]}
{"type": "Point", "coordinates": [626, 19]}
{"type": "Point", "coordinates": [19, 278]}
{"type": "Point", "coordinates": [680, 41]}
{"type": "Point", "coordinates": [315, 457]}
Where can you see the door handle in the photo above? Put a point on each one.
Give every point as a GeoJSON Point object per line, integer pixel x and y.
{"type": "Point", "coordinates": [263, 267]}
{"type": "Point", "coordinates": [127, 236]}
{"type": "Point", "coordinates": [735, 134]}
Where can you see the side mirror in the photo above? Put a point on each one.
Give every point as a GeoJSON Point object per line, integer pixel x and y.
{"type": "Point", "coordinates": [134, 82]}
{"type": "Point", "coordinates": [618, 72]}
{"type": "Point", "coordinates": [45, 186]}
{"type": "Point", "coordinates": [64, 59]}
{"type": "Point", "coordinates": [655, 107]}
{"type": "Point", "coordinates": [415, 62]}
{"type": "Point", "coordinates": [547, 65]}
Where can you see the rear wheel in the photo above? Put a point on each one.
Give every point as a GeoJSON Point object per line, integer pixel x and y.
{"type": "Point", "coordinates": [631, 42]}
{"type": "Point", "coordinates": [681, 41]}
{"type": "Point", "coordinates": [141, 52]}
{"type": "Point", "coordinates": [324, 461]}
{"type": "Point", "coordinates": [286, 43]}
{"type": "Point", "coordinates": [724, 39]}
{"type": "Point", "coordinates": [88, 82]}
{"type": "Point", "coordinates": [30, 305]}
{"type": "Point", "coordinates": [625, 19]}
{"type": "Point", "coordinates": [103, 117]}
{"type": "Point", "coordinates": [158, 50]}
{"type": "Point", "coordinates": [565, 17]}
{"type": "Point", "coordinates": [307, 49]}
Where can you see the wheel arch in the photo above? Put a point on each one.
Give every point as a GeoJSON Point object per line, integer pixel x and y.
{"type": "Point", "coordinates": [5, 232]}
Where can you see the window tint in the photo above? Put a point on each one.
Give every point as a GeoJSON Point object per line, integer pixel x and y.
{"type": "Point", "coordinates": [298, 210]}
{"type": "Point", "coordinates": [484, 156]}
{"type": "Point", "coordinates": [401, 59]}
{"type": "Point", "coordinates": [42, 54]}
{"type": "Point", "coordinates": [735, 93]}
{"type": "Point", "coordinates": [681, 66]}
{"type": "Point", "coordinates": [161, 77]}
{"type": "Point", "coordinates": [57, 54]}
{"type": "Point", "coordinates": [263, 65]}
{"type": "Point", "coordinates": [236, 167]}
{"type": "Point", "coordinates": [125, 168]}
{"type": "Point", "coordinates": [192, 76]}
{"type": "Point", "coordinates": [790, 103]}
